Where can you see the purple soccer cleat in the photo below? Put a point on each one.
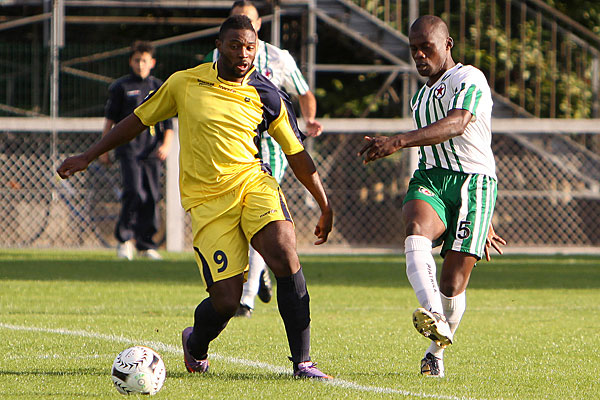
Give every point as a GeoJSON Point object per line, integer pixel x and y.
{"type": "Point", "coordinates": [191, 364]}
{"type": "Point", "coordinates": [308, 369]}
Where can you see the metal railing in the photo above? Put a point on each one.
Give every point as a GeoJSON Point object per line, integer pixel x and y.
{"type": "Point", "coordinates": [548, 191]}
{"type": "Point", "coordinates": [540, 59]}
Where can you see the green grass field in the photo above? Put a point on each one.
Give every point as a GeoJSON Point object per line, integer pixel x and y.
{"type": "Point", "coordinates": [531, 331]}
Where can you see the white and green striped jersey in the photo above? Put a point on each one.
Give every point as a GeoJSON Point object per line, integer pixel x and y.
{"type": "Point", "coordinates": [279, 66]}
{"type": "Point", "coordinates": [461, 87]}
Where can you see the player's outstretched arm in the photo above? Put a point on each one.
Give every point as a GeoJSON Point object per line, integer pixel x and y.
{"type": "Point", "coordinates": [165, 147]}
{"type": "Point", "coordinates": [452, 125]}
{"type": "Point", "coordinates": [308, 108]}
{"type": "Point", "coordinates": [493, 240]}
{"type": "Point", "coordinates": [304, 169]}
{"type": "Point", "coordinates": [123, 132]}
{"type": "Point", "coordinates": [108, 125]}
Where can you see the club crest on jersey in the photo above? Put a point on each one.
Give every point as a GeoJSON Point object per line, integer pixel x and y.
{"type": "Point", "coordinates": [440, 91]}
{"type": "Point", "coordinates": [425, 191]}
{"type": "Point", "coordinates": [268, 73]}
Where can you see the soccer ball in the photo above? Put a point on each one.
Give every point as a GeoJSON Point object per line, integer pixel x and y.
{"type": "Point", "coordinates": [139, 370]}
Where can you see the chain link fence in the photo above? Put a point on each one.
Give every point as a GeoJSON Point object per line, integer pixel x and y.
{"type": "Point", "coordinates": [40, 211]}
{"type": "Point", "coordinates": [548, 193]}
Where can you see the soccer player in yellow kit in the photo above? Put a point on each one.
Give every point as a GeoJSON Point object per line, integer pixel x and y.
{"type": "Point", "coordinates": [222, 109]}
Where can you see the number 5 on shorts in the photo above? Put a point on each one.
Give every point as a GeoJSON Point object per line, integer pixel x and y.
{"type": "Point", "coordinates": [463, 230]}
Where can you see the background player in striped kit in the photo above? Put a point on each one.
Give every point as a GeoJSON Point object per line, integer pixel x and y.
{"type": "Point", "coordinates": [281, 69]}
{"type": "Point", "coordinates": [451, 196]}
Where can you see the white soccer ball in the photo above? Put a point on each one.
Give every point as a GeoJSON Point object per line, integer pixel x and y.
{"type": "Point", "coordinates": [138, 370]}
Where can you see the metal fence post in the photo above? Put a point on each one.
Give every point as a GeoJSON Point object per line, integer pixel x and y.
{"type": "Point", "coordinates": [312, 44]}
{"type": "Point", "coordinates": [275, 25]}
{"type": "Point", "coordinates": [413, 157]}
{"type": "Point", "coordinates": [57, 40]}
{"type": "Point", "coordinates": [175, 214]}
{"type": "Point", "coordinates": [596, 85]}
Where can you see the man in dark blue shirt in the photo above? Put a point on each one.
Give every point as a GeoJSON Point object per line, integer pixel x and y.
{"type": "Point", "coordinates": [140, 158]}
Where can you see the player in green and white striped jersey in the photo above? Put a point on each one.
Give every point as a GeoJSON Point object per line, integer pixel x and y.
{"type": "Point", "coordinates": [279, 66]}
{"type": "Point", "coordinates": [452, 194]}
{"type": "Point", "coordinates": [462, 87]}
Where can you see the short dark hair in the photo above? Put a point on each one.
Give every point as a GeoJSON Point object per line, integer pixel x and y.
{"type": "Point", "coordinates": [431, 20]}
{"type": "Point", "coordinates": [235, 22]}
{"type": "Point", "coordinates": [242, 3]}
{"type": "Point", "coordinates": [141, 46]}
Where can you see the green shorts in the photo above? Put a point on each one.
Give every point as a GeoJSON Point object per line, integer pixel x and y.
{"type": "Point", "coordinates": [464, 202]}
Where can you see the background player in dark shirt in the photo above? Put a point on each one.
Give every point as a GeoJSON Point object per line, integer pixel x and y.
{"type": "Point", "coordinates": [140, 158]}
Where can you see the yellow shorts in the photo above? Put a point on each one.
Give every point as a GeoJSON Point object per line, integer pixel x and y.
{"type": "Point", "coordinates": [223, 227]}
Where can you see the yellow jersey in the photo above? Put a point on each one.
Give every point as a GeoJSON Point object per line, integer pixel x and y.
{"type": "Point", "coordinates": [220, 123]}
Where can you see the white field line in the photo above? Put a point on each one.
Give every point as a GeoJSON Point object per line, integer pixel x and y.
{"type": "Point", "coordinates": [167, 348]}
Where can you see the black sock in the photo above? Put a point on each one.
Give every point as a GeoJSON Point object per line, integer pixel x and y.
{"type": "Point", "coordinates": [293, 303]}
{"type": "Point", "coordinates": [207, 326]}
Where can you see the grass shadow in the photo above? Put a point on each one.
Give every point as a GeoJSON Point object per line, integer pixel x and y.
{"type": "Point", "coordinates": [504, 272]}
{"type": "Point", "coordinates": [234, 376]}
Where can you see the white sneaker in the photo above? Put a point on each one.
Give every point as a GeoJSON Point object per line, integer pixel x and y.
{"type": "Point", "coordinates": [149, 254]}
{"type": "Point", "coordinates": [125, 250]}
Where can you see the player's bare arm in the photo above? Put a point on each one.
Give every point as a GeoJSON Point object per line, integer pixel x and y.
{"type": "Point", "coordinates": [493, 240]}
{"type": "Point", "coordinates": [308, 108]}
{"type": "Point", "coordinates": [123, 132]}
{"type": "Point", "coordinates": [446, 128]}
{"type": "Point", "coordinates": [304, 169]}
{"type": "Point", "coordinates": [108, 124]}
{"type": "Point", "coordinates": [165, 147]}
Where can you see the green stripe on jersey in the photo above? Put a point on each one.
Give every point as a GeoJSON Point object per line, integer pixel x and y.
{"type": "Point", "coordinates": [414, 100]}
{"type": "Point", "coordinates": [474, 202]}
{"type": "Point", "coordinates": [266, 55]}
{"type": "Point", "coordinates": [488, 207]}
{"type": "Point", "coordinates": [457, 95]}
{"type": "Point", "coordinates": [271, 153]}
{"type": "Point", "coordinates": [443, 112]}
{"type": "Point", "coordinates": [417, 116]}
{"type": "Point", "coordinates": [299, 83]}
{"type": "Point", "coordinates": [259, 63]}
{"type": "Point", "coordinates": [210, 57]}
{"type": "Point", "coordinates": [437, 117]}
{"type": "Point", "coordinates": [427, 108]}
{"type": "Point", "coordinates": [436, 156]}
{"type": "Point", "coordinates": [477, 98]}
{"type": "Point", "coordinates": [468, 99]}
{"type": "Point", "coordinates": [418, 106]}
{"type": "Point", "coordinates": [460, 168]}
{"type": "Point", "coordinates": [446, 156]}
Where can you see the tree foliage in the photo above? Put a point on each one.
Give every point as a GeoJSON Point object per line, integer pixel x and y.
{"type": "Point", "coordinates": [586, 12]}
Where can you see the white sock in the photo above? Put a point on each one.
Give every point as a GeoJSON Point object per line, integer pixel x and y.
{"type": "Point", "coordinates": [454, 308]}
{"type": "Point", "coordinates": [257, 265]}
{"type": "Point", "coordinates": [421, 272]}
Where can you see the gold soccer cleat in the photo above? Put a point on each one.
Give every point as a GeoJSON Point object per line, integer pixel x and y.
{"type": "Point", "coordinates": [433, 326]}
{"type": "Point", "coordinates": [432, 366]}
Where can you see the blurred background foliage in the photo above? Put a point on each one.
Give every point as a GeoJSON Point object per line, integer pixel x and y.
{"type": "Point", "coordinates": [521, 67]}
